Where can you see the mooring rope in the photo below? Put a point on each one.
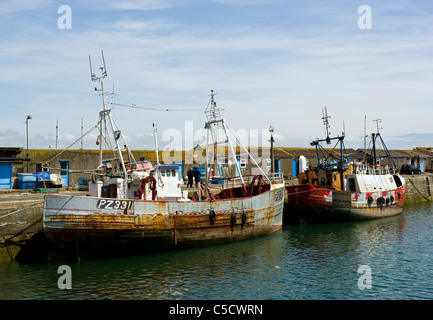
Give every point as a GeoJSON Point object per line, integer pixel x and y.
{"type": "Point", "coordinates": [18, 210]}
{"type": "Point", "coordinates": [428, 200]}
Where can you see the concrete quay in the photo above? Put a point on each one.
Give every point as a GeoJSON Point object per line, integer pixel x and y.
{"type": "Point", "coordinates": [21, 235]}
{"type": "Point", "coordinates": [419, 188]}
{"type": "Point", "coordinates": [21, 223]}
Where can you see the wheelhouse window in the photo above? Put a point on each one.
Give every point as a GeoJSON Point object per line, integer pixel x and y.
{"type": "Point", "coordinates": [268, 163]}
{"type": "Point", "coordinates": [351, 186]}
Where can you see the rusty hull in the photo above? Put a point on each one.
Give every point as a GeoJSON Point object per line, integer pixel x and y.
{"type": "Point", "coordinates": [304, 206]}
{"type": "Point", "coordinates": [159, 225]}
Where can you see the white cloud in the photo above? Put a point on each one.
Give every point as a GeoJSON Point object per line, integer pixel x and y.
{"type": "Point", "coordinates": [415, 8]}
{"type": "Point", "coordinates": [143, 26]}
{"type": "Point", "coordinates": [246, 2]}
{"type": "Point", "coordinates": [11, 138]}
{"type": "Point", "coordinates": [137, 4]}
{"type": "Point", "coordinates": [11, 6]}
{"type": "Point", "coordinates": [265, 73]}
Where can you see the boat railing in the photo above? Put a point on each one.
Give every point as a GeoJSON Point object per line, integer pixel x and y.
{"type": "Point", "coordinates": [248, 179]}
{"type": "Point", "coordinates": [249, 185]}
{"type": "Point", "coordinates": [276, 177]}
{"type": "Point", "coordinates": [370, 170]}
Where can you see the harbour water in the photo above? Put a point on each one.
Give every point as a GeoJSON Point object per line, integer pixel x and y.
{"type": "Point", "coordinates": [303, 262]}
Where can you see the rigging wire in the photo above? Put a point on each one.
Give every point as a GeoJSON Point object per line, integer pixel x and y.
{"type": "Point", "coordinates": [93, 128]}
{"type": "Point", "coordinates": [149, 108]}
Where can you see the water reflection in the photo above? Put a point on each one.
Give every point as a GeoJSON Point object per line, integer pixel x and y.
{"type": "Point", "coordinates": [301, 262]}
{"type": "Point", "coordinates": [205, 273]}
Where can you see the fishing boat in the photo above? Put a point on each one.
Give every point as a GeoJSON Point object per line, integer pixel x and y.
{"type": "Point", "coordinates": [339, 189]}
{"type": "Point", "coordinates": [139, 207]}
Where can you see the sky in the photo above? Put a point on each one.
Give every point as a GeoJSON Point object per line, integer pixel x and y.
{"type": "Point", "coordinates": [270, 62]}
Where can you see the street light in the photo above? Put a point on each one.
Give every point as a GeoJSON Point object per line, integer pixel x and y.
{"type": "Point", "coordinates": [29, 117]}
{"type": "Point", "coordinates": [271, 131]}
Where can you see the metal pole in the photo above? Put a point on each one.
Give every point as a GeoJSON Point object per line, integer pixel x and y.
{"type": "Point", "coordinates": [102, 117]}
{"type": "Point", "coordinates": [81, 133]}
{"type": "Point", "coordinates": [365, 133]}
{"type": "Point", "coordinates": [29, 117]}
{"type": "Point", "coordinates": [156, 143]}
{"type": "Point", "coordinates": [271, 130]}
{"type": "Point", "coordinates": [101, 120]}
{"type": "Point", "coordinates": [207, 195]}
{"type": "Point", "coordinates": [272, 154]}
{"type": "Point", "coordinates": [57, 132]}
{"type": "Point", "coordinates": [27, 135]}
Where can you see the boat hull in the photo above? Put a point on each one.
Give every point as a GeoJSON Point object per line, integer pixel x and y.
{"type": "Point", "coordinates": [102, 226]}
{"type": "Point", "coordinates": [313, 204]}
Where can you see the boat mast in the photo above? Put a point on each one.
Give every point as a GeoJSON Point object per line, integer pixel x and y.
{"type": "Point", "coordinates": [93, 77]}
{"type": "Point", "coordinates": [325, 118]}
{"type": "Point", "coordinates": [365, 133]}
{"type": "Point", "coordinates": [388, 154]}
{"type": "Point", "coordinates": [156, 143]}
{"type": "Point", "coordinates": [106, 113]}
{"type": "Point", "coordinates": [374, 136]}
{"type": "Point", "coordinates": [325, 163]}
{"type": "Point", "coordinates": [214, 116]}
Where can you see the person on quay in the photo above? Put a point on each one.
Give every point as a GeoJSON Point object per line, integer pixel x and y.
{"type": "Point", "coordinates": [196, 176]}
{"type": "Point", "coordinates": [190, 178]}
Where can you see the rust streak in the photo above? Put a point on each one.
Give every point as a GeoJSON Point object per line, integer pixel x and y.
{"type": "Point", "coordinates": [175, 233]}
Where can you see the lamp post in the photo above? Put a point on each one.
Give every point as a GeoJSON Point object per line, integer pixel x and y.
{"type": "Point", "coordinates": [271, 131]}
{"type": "Point", "coordinates": [29, 117]}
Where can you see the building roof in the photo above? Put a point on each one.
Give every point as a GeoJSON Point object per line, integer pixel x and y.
{"type": "Point", "coordinates": [9, 154]}
{"type": "Point", "coordinates": [423, 153]}
{"type": "Point", "coordinates": [6, 152]}
{"type": "Point", "coordinates": [401, 153]}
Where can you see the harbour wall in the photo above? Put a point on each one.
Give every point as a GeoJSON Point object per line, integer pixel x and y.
{"type": "Point", "coordinates": [20, 221]}
{"type": "Point", "coordinates": [21, 236]}
{"type": "Point", "coordinates": [419, 188]}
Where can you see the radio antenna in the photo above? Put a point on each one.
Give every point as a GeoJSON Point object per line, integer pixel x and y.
{"type": "Point", "coordinates": [104, 112]}
{"type": "Point", "coordinates": [103, 69]}
{"type": "Point", "coordinates": [325, 118]}
{"type": "Point", "coordinates": [92, 75]}
{"type": "Point", "coordinates": [377, 124]}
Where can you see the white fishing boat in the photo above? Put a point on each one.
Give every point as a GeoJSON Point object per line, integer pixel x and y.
{"type": "Point", "coordinates": [137, 209]}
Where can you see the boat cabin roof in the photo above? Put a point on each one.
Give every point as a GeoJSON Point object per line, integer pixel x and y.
{"type": "Point", "coordinates": [169, 167]}
{"type": "Point", "coordinates": [143, 166]}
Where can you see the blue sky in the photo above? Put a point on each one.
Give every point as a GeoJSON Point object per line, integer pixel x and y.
{"type": "Point", "coordinates": [271, 62]}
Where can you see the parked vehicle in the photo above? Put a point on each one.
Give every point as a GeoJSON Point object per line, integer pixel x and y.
{"type": "Point", "coordinates": [410, 169]}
